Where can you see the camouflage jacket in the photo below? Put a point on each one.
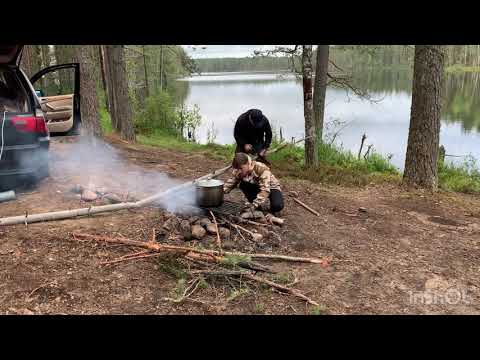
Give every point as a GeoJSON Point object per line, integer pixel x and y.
{"type": "Point", "coordinates": [261, 176]}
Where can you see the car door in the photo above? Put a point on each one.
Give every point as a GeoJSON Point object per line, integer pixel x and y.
{"type": "Point", "coordinates": [58, 90]}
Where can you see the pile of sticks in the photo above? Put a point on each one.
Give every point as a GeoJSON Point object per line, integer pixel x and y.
{"type": "Point", "coordinates": [206, 263]}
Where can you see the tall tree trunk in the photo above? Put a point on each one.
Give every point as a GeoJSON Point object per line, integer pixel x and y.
{"type": "Point", "coordinates": [161, 67]}
{"type": "Point", "coordinates": [37, 59]}
{"type": "Point", "coordinates": [108, 53]}
{"type": "Point", "coordinates": [311, 158]}
{"type": "Point", "coordinates": [320, 88]}
{"type": "Point", "coordinates": [122, 114]}
{"type": "Point", "coordinates": [147, 88]}
{"type": "Point", "coordinates": [424, 133]}
{"type": "Point", "coordinates": [88, 92]}
{"type": "Point", "coordinates": [46, 61]}
{"type": "Point", "coordinates": [102, 71]}
{"type": "Point", "coordinates": [27, 60]}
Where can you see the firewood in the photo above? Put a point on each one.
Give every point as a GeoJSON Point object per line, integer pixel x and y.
{"type": "Point", "coordinates": [306, 207]}
{"type": "Point", "coordinates": [219, 241]}
{"type": "Point", "coordinates": [189, 250]}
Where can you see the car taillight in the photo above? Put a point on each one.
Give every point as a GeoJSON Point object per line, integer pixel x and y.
{"type": "Point", "coordinates": [30, 124]}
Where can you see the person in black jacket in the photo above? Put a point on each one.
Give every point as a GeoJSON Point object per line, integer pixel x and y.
{"type": "Point", "coordinates": [253, 134]}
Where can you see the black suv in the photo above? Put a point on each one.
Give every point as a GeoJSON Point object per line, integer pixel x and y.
{"type": "Point", "coordinates": [29, 116]}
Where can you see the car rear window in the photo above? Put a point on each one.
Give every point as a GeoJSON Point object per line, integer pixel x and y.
{"type": "Point", "coordinates": [13, 97]}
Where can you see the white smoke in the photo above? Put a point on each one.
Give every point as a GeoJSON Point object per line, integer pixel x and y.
{"type": "Point", "coordinates": [98, 165]}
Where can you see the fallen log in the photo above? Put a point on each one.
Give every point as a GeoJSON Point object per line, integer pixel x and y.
{"type": "Point", "coordinates": [186, 250]}
{"type": "Point", "coordinates": [65, 214]}
{"type": "Point", "coordinates": [306, 207]}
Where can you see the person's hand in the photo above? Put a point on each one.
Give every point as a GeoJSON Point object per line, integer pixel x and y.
{"type": "Point", "coordinates": [248, 147]}
{"type": "Point", "coordinates": [248, 207]}
{"type": "Point", "coordinates": [263, 152]}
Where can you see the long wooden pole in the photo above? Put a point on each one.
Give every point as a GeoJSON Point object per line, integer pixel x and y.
{"type": "Point", "coordinates": [164, 247]}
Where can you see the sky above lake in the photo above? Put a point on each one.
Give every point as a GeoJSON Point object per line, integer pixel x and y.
{"type": "Point", "coordinates": [219, 51]}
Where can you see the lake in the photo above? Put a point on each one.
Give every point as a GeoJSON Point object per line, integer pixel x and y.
{"type": "Point", "coordinates": [222, 97]}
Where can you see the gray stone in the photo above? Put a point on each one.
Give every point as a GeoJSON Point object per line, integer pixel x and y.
{"type": "Point", "coordinates": [88, 195]}
{"type": "Point", "coordinates": [198, 232]}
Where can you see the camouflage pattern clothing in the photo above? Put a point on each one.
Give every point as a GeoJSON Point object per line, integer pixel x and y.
{"type": "Point", "coordinates": [261, 176]}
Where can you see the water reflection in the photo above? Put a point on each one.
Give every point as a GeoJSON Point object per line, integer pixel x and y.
{"type": "Point", "coordinates": [223, 97]}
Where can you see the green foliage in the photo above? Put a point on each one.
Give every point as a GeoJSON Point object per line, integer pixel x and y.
{"type": "Point", "coordinates": [158, 112]}
{"type": "Point", "coordinates": [234, 294]}
{"type": "Point", "coordinates": [259, 308]}
{"type": "Point", "coordinates": [463, 178]}
{"type": "Point", "coordinates": [188, 120]}
{"type": "Point", "coordinates": [317, 310]}
{"type": "Point", "coordinates": [257, 63]}
{"type": "Point", "coordinates": [170, 266]}
{"type": "Point", "coordinates": [233, 260]}
{"type": "Point", "coordinates": [336, 165]}
{"type": "Point", "coordinates": [105, 121]}
{"type": "Point", "coordinates": [283, 278]}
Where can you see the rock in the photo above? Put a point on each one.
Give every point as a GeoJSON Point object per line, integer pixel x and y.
{"type": "Point", "coordinates": [186, 230]}
{"type": "Point", "coordinates": [193, 220]}
{"type": "Point", "coordinates": [88, 195]}
{"type": "Point", "coordinates": [362, 209]}
{"type": "Point", "coordinates": [257, 237]}
{"type": "Point", "coordinates": [113, 198]}
{"type": "Point", "coordinates": [171, 224]}
{"type": "Point", "coordinates": [205, 222]}
{"type": "Point", "coordinates": [198, 232]}
{"type": "Point", "coordinates": [211, 229]}
{"type": "Point", "coordinates": [224, 233]}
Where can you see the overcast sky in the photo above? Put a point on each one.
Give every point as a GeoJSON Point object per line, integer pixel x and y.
{"type": "Point", "coordinates": [216, 51]}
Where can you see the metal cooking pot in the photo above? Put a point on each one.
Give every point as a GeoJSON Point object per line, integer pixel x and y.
{"type": "Point", "coordinates": [209, 193]}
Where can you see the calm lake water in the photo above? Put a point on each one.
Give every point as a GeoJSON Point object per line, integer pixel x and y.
{"type": "Point", "coordinates": [222, 97]}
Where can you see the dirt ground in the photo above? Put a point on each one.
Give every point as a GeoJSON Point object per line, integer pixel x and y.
{"type": "Point", "coordinates": [404, 252]}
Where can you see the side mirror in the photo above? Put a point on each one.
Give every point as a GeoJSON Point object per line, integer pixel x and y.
{"type": "Point", "coordinates": [39, 93]}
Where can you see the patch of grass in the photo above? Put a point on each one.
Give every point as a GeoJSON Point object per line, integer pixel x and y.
{"type": "Point", "coordinates": [283, 278]}
{"type": "Point", "coordinates": [337, 166]}
{"type": "Point", "coordinates": [105, 121]}
{"type": "Point", "coordinates": [317, 310]}
{"type": "Point", "coordinates": [259, 308]}
{"type": "Point", "coordinates": [180, 288]}
{"type": "Point", "coordinates": [237, 293]}
{"type": "Point", "coordinates": [164, 139]}
{"type": "Point", "coordinates": [463, 178]}
{"type": "Point", "coordinates": [170, 266]}
{"type": "Point", "coordinates": [234, 260]}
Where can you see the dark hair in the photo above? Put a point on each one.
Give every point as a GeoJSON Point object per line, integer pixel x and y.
{"type": "Point", "coordinates": [256, 115]}
{"type": "Point", "coordinates": [239, 160]}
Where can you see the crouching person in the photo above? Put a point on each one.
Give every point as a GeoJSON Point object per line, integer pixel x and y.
{"type": "Point", "coordinates": [256, 182]}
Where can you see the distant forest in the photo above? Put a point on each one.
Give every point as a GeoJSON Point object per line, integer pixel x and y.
{"type": "Point", "coordinates": [346, 57]}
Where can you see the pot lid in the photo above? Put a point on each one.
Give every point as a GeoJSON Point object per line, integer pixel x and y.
{"type": "Point", "coordinates": [210, 183]}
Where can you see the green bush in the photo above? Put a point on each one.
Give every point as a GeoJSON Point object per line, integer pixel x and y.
{"type": "Point", "coordinates": [463, 178]}
{"type": "Point", "coordinates": [158, 112]}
